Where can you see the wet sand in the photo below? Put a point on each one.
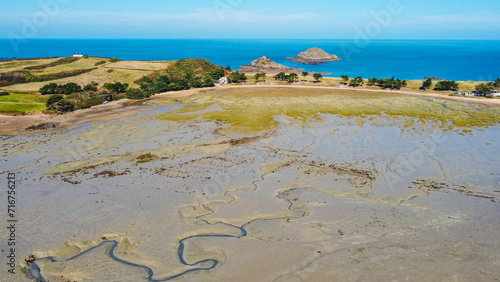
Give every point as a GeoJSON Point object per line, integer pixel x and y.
{"type": "Point", "coordinates": [15, 125]}
{"type": "Point", "coordinates": [179, 191]}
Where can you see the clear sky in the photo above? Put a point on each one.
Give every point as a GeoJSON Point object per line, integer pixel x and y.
{"type": "Point", "coordinates": [318, 19]}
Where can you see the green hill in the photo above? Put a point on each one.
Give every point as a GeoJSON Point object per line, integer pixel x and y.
{"type": "Point", "coordinates": [190, 67]}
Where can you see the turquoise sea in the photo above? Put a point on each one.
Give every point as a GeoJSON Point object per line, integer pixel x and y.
{"type": "Point", "coordinates": [406, 59]}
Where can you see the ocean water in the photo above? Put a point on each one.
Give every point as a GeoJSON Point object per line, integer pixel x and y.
{"type": "Point", "coordinates": [406, 59]}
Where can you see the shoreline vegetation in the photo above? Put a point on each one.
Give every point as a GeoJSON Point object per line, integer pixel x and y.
{"type": "Point", "coordinates": [110, 80]}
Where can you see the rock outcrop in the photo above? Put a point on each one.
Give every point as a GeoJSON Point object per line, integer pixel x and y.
{"type": "Point", "coordinates": [265, 64]}
{"type": "Point", "coordinates": [314, 56]}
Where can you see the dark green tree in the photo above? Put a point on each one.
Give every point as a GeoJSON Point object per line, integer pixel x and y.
{"type": "Point", "coordinates": [257, 76]}
{"type": "Point", "coordinates": [293, 76]}
{"type": "Point", "coordinates": [217, 74]}
{"type": "Point", "coordinates": [355, 82]}
{"type": "Point", "coordinates": [280, 76]}
{"type": "Point", "coordinates": [446, 85]}
{"type": "Point", "coordinates": [48, 89]}
{"type": "Point", "coordinates": [209, 81]}
{"type": "Point", "coordinates": [345, 78]}
{"type": "Point", "coordinates": [427, 84]}
{"type": "Point", "coordinates": [305, 73]}
{"type": "Point", "coordinates": [117, 87]}
{"type": "Point", "coordinates": [317, 76]}
{"type": "Point", "coordinates": [263, 75]}
{"type": "Point", "coordinates": [71, 88]}
{"type": "Point", "coordinates": [373, 81]}
{"type": "Point", "coordinates": [496, 84]}
{"type": "Point", "coordinates": [484, 88]}
{"type": "Point", "coordinates": [237, 77]}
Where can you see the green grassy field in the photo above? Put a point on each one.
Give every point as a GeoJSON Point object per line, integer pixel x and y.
{"type": "Point", "coordinates": [22, 103]}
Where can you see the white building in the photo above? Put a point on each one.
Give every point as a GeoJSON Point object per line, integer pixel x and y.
{"type": "Point", "coordinates": [78, 55]}
{"type": "Point", "coordinates": [222, 80]}
{"type": "Point", "coordinates": [495, 94]}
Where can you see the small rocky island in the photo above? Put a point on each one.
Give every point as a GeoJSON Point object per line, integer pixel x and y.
{"type": "Point", "coordinates": [314, 56]}
{"type": "Point", "coordinates": [265, 64]}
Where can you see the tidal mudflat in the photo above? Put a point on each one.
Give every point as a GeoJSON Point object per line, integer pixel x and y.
{"type": "Point", "coordinates": [264, 185]}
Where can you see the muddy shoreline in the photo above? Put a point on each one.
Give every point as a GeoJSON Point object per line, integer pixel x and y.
{"type": "Point", "coordinates": [202, 190]}
{"type": "Point", "coordinates": [16, 125]}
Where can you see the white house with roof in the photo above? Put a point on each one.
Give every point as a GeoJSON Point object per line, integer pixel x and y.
{"type": "Point", "coordinates": [222, 80]}
{"type": "Point", "coordinates": [78, 55]}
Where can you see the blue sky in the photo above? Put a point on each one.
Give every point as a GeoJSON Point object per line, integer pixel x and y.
{"type": "Point", "coordinates": [375, 19]}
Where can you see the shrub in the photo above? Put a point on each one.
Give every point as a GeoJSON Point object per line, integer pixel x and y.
{"type": "Point", "coordinates": [105, 95]}
{"type": "Point", "coordinates": [10, 78]}
{"type": "Point", "coordinates": [117, 87]}
{"type": "Point", "coordinates": [209, 81]}
{"type": "Point", "coordinates": [91, 86]}
{"type": "Point", "coordinates": [53, 99]}
{"type": "Point", "coordinates": [196, 82]}
{"type": "Point", "coordinates": [63, 106]}
{"type": "Point", "coordinates": [158, 87]}
{"type": "Point", "coordinates": [85, 56]}
{"type": "Point", "coordinates": [3, 93]}
{"type": "Point", "coordinates": [99, 63]}
{"type": "Point", "coordinates": [237, 77]}
{"type": "Point", "coordinates": [136, 94]}
{"type": "Point", "coordinates": [114, 60]}
{"type": "Point", "coordinates": [84, 100]}
{"type": "Point", "coordinates": [62, 61]}
{"type": "Point", "coordinates": [31, 77]}
{"type": "Point", "coordinates": [178, 85]}
{"type": "Point", "coordinates": [64, 74]}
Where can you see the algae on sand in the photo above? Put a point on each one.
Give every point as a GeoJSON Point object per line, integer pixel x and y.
{"type": "Point", "coordinates": [256, 109]}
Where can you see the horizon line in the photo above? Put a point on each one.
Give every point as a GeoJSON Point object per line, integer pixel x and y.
{"type": "Point", "coordinates": [346, 39]}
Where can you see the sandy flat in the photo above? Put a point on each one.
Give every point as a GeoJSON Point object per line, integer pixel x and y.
{"type": "Point", "coordinates": [180, 191]}
{"type": "Point", "coordinates": [14, 125]}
